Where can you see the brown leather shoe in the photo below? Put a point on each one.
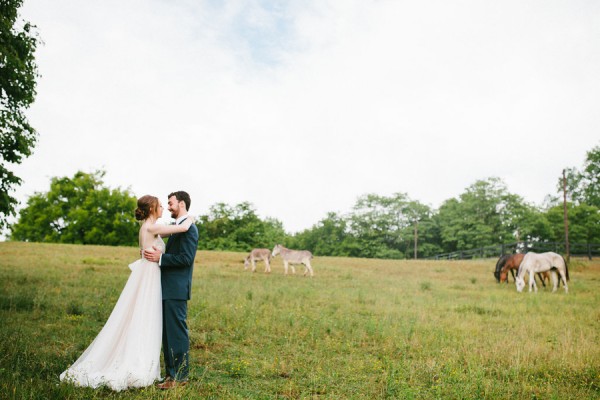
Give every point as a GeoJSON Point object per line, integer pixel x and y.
{"type": "Point", "coordinates": [171, 384]}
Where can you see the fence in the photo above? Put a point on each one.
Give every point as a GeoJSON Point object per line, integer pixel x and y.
{"type": "Point", "coordinates": [589, 250]}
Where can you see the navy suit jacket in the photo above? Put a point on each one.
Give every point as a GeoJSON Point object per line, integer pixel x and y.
{"type": "Point", "coordinates": [177, 265]}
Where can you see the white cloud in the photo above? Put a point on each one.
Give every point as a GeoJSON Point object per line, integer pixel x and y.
{"type": "Point", "coordinates": [300, 109]}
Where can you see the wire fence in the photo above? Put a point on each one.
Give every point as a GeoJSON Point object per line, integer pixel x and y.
{"type": "Point", "coordinates": [589, 250]}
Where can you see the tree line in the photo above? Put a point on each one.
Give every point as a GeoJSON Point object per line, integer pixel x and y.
{"type": "Point", "coordinates": [82, 210]}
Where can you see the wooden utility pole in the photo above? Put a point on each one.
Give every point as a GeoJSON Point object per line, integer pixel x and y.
{"type": "Point", "coordinates": [416, 237]}
{"type": "Point", "coordinates": [566, 216]}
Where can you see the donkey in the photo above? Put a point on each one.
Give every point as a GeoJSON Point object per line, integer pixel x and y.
{"type": "Point", "coordinates": [291, 257]}
{"type": "Point", "coordinates": [258, 255]}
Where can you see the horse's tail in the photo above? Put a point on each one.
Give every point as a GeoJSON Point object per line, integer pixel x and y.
{"type": "Point", "coordinates": [566, 267]}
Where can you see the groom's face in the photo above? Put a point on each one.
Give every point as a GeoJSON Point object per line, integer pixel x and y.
{"type": "Point", "coordinates": [174, 208]}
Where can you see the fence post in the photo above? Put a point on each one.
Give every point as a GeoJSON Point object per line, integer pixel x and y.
{"type": "Point", "coordinates": [590, 251]}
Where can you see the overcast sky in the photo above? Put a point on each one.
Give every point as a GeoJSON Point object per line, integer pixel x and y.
{"type": "Point", "coordinates": [299, 107]}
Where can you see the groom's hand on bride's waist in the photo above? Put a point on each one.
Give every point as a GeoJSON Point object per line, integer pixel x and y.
{"type": "Point", "coordinates": [152, 255]}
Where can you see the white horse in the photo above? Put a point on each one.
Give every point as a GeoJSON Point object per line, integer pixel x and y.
{"type": "Point", "coordinates": [534, 262]}
{"type": "Point", "coordinates": [292, 257]}
{"type": "Point", "coordinates": [258, 255]}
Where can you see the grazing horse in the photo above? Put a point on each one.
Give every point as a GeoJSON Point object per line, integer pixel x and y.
{"type": "Point", "coordinates": [511, 262]}
{"type": "Point", "coordinates": [534, 262]}
{"type": "Point", "coordinates": [291, 257]}
{"type": "Point", "coordinates": [499, 265]}
{"type": "Point", "coordinates": [508, 262]}
{"type": "Point", "coordinates": [258, 255]}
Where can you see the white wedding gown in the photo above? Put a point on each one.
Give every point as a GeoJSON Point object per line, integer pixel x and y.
{"type": "Point", "coordinates": [126, 352]}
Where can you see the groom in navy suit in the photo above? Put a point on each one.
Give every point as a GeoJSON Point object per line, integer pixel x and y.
{"type": "Point", "coordinates": [176, 266]}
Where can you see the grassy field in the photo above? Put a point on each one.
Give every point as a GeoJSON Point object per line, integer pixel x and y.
{"type": "Point", "coordinates": [360, 329]}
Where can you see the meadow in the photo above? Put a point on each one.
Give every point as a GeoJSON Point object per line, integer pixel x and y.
{"type": "Point", "coordinates": [360, 329]}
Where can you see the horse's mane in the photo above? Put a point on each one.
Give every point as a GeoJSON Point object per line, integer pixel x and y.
{"type": "Point", "coordinates": [500, 264]}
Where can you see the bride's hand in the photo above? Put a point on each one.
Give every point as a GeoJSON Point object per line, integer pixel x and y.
{"type": "Point", "coordinates": [189, 221]}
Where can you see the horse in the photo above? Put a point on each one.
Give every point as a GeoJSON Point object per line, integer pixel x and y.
{"type": "Point", "coordinates": [511, 262]}
{"type": "Point", "coordinates": [258, 255]}
{"type": "Point", "coordinates": [291, 257]}
{"type": "Point", "coordinates": [534, 262]}
{"type": "Point", "coordinates": [499, 265]}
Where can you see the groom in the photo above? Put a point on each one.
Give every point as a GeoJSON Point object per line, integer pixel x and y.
{"type": "Point", "coordinates": [176, 266]}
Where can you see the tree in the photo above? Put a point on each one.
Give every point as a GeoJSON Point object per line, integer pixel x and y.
{"type": "Point", "coordinates": [584, 223]}
{"type": "Point", "coordinates": [485, 214]}
{"type": "Point", "coordinates": [384, 226]}
{"type": "Point", "coordinates": [18, 72]}
{"type": "Point", "coordinates": [79, 210]}
{"type": "Point", "coordinates": [523, 220]}
{"type": "Point", "coordinates": [423, 230]}
{"type": "Point", "coordinates": [328, 237]}
{"type": "Point", "coordinates": [583, 187]}
{"type": "Point", "coordinates": [237, 228]}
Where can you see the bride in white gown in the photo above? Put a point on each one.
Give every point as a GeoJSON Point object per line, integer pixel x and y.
{"type": "Point", "coordinates": [126, 352]}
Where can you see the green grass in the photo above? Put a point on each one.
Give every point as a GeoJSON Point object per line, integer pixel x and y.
{"type": "Point", "coordinates": [360, 329]}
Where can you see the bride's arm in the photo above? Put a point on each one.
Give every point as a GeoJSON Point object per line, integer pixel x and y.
{"type": "Point", "coordinates": [166, 230]}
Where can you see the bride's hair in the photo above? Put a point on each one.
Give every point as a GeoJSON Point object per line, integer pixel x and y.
{"type": "Point", "coordinates": [146, 206]}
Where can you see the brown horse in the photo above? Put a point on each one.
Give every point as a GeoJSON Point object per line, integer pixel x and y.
{"type": "Point", "coordinates": [499, 264]}
{"type": "Point", "coordinates": [511, 262]}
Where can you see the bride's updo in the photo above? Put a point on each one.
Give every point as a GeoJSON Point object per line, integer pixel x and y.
{"type": "Point", "coordinates": [146, 206]}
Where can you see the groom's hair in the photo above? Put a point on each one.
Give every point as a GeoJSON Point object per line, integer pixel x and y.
{"type": "Point", "coordinates": [182, 196]}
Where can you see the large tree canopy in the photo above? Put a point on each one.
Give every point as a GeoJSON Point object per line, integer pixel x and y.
{"type": "Point", "coordinates": [384, 226]}
{"type": "Point", "coordinates": [584, 223]}
{"type": "Point", "coordinates": [79, 210]}
{"type": "Point", "coordinates": [237, 228]}
{"type": "Point", "coordinates": [329, 237]}
{"type": "Point", "coordinates": [485, 214]}
{"type": "Point", "coordinates": [583, 186]}
{"type": "Point", "coordinates": [18, 73]}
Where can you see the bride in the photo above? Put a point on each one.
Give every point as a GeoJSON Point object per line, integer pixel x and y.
{"type": "Point", "coordinates": [126, 352]}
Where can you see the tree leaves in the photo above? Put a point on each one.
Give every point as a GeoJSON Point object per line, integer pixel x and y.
{"type": "Point", "coordinates": [18, 73]}
{"type": "Point", "coordinates": [237, 228]}
{"type": "Point", "coordinates": [79, 210]}
{"type": "Point", "coordinates": [583, 186]}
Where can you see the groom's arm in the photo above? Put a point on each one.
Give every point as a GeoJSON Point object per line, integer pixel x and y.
{"type": "Point", "coordinates": [185, 258]}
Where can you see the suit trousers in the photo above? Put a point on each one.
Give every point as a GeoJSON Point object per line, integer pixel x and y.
{"type": "Point", "coordinates": [176, 341]}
